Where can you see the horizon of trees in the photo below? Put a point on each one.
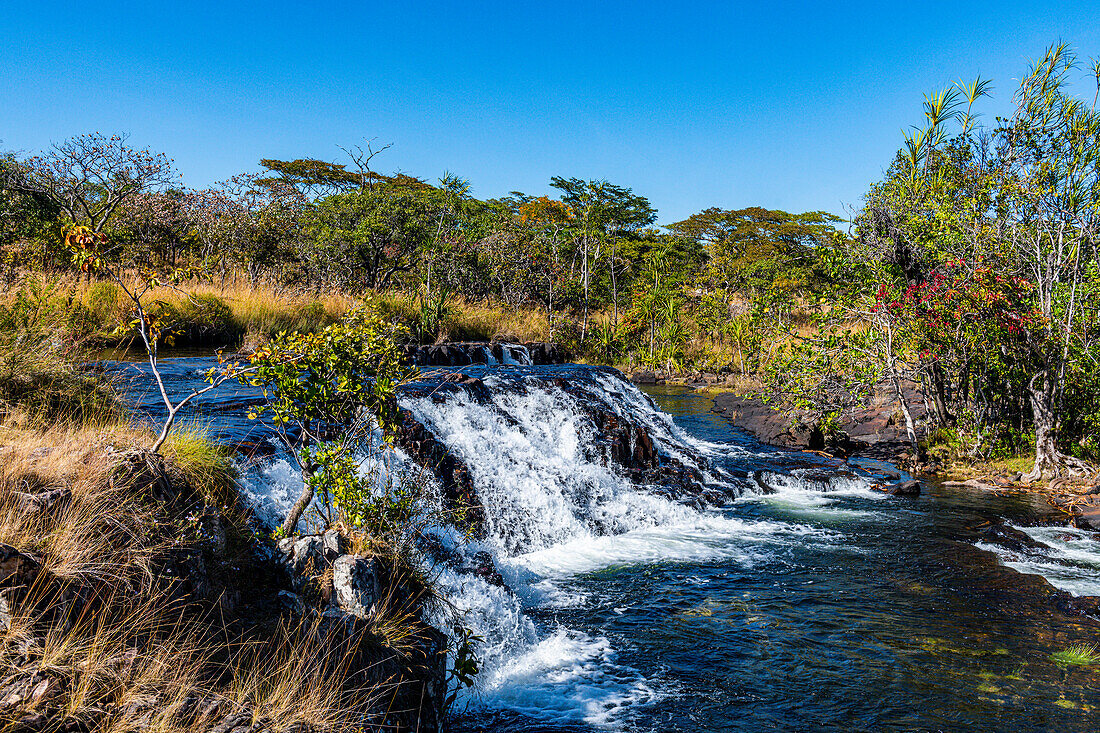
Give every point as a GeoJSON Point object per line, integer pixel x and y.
{"type": "Point", "coordinates": [971, 270]}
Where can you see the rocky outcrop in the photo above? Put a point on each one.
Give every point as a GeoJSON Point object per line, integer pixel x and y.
{"type": "Point", "coordinates": [876, 429]}
{"type": "Point", "coordinates": [1088, 517]}
{"type": "Point", "coordinates": [617, 442]}
{"type": "Point", "coordinates": [453, 474]}
{"type": "Point", "coordinates": [354, 600]}
{"type": "Point", "coordinates": [209, 570]}
{"type": "Point", "coordinates": [466, 353]}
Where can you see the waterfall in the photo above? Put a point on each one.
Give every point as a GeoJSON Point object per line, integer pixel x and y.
{"type": "Point", "coordinates": [578, 470]}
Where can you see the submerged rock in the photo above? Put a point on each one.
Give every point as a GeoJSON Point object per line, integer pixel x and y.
{"type": "Point", "coordinates": [905, 488]}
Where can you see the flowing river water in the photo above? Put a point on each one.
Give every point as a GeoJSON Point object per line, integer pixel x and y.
{"type": "Point", "coordinates": [805, 600]}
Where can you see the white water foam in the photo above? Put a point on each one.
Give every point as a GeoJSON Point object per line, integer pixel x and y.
{"type": "Point", "coordinates": [819, 496]}
{"type": "Point", "coordinates": [532, 459]}
{"type": "Point", "coordinates": [515, 355]}
{"type": "Point", "coordinates": [1068, 558]}
{"type": "Point", "coordinates": [555, 510]}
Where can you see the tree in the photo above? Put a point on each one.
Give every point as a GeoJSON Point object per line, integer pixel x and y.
{"type": "Point", "coordinates": [328, 394]}
{"type": "Point", "coordinates": [547, 220]}
{"type": "Point", "coordinates": [1051, 156]}
{"type": "Point", "coordinates": [603, 212]}
{"type": "Point", "coordinates": [988, 240]}
{"type": "Point", "coordinates": [757, 249]}
{"type": "Point", "coordinates": [89, 177]}
{"type": "Point", "coordinates": [376, 235]}
{"type": "Point", "coordinates": [27, 217]}
{"type": "Point", "coordinates": [312, 178]}
{"type": "Point", "coordinates": [91, 253]}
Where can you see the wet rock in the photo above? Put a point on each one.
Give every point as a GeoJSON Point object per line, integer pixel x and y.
{"type": "Point", "coordinates": [543, 353]}
{"type": "Point", "coordinates": [873, 429]}
{"type": "Point", "coordinates": [905, 488]}
{"type": "Point", "coordinates": [1088, 517]}
{"type": "Point", "coordinates": [454, 476]}
{"type": "Point", "coordinates": [465, 353]}
{"type": "Point", "coordinates": [643, 377]}
{"type": "Point", "coordinates": [480, 564]}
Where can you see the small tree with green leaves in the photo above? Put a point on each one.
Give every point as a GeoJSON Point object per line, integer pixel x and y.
{"type": "Point", "coordinates": [331, 395]}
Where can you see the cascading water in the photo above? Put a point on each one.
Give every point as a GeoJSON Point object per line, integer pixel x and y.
{"type": "Point", "coordinates": [556, 506]}
{"type": "Point", "coordinates": [669, 574]}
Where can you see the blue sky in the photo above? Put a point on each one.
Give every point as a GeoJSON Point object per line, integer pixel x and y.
{"type": "Point", "coordinates": [786, 105]}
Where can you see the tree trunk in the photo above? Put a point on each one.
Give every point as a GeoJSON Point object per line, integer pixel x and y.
{"type": "Point", "coordinates": [1049, 461]}
{"type": "Point", "coordinates": [943, 417]}
{"type": "Point", "coordinates": [584, 321]}
{"type": "Point", "coordinates": [290, 524]}
{"type": "Point", "coordinates": [614, 290]}
{"type": "Point", "coordinates": [910, 428]}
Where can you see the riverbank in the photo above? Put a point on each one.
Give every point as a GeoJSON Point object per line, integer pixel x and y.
{"type": "Point", "coordinates": [139, 590]}
{"type": "Point", "coordinates": [877, 431]}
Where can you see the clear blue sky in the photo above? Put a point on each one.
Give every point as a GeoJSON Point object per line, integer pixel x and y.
{"type": "Point", "coordinates": [787, 105]}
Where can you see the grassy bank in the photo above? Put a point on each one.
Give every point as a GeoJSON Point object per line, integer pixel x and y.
{"type": "Point", "coordinates": [122, 606]}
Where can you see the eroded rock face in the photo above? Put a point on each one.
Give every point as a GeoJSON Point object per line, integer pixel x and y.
{"type": "Point", "coordinates": [453, 474]}
{"type": "Point", "coordinates": [877, 429]}
{"type": "Point", "coordinates": [348, 597]}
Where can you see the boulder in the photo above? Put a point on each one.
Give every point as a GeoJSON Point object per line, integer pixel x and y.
{"type": "Point", "coordinates": [1088, 517]}
{"type": "Point", "coordinates": [356, 584]}
{"type": "Point", "coordinates": [643, 377]}
{"type": "Point", "coordinates": [905, 488]}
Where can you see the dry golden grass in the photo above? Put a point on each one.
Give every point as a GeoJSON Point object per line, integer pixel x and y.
{"type": "Point", "coordinates": [292, 678]}
{"type": "Point", "coordinates": [251, 312]}
{"type": "Point", "coordinates": [130, 651]}
{"type": "Point", "coordinates": [139, 665]}
{"type": "Point", "coordinates": [478, 321]}
{"type": "Point", "coordinates": [58, 454]}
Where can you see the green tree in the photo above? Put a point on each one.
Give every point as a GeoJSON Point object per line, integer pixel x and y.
{"type": "Point", "coordinates": [329, 395]}
{"type": "Point", "coordinates": [603, 212]}
{"type": "Point", "coordinates": [374, 236]}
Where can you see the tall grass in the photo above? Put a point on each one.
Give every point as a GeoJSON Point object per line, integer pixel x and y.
{"type": "Point", "coordinates": [205, 466]}
{"type": "Point", "coordinates": [114, 647]}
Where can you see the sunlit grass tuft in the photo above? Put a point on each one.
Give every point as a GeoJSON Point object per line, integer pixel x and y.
{"type": "Point", "coordinates": [206, 466]}
{"type": "Point", "coordinates": [1077, 654]}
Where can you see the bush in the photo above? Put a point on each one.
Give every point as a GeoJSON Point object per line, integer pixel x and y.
{"type": "Point", "coordinates": [205, 465]}
{"type": "Point", "coordinates": [41, 364]}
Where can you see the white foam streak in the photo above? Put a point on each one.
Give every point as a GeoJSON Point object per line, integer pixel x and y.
{"type": "Point", "coordinates": [1068, 558]}
{"type": "Point", "coordinates": [706, 537]}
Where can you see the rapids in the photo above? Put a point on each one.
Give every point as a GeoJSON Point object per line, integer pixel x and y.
{"type": "Point", "coordinates": [786, 592]}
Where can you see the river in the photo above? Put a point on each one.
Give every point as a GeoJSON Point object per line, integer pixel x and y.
{"type": "Point", "coordinates": [808, 600]}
